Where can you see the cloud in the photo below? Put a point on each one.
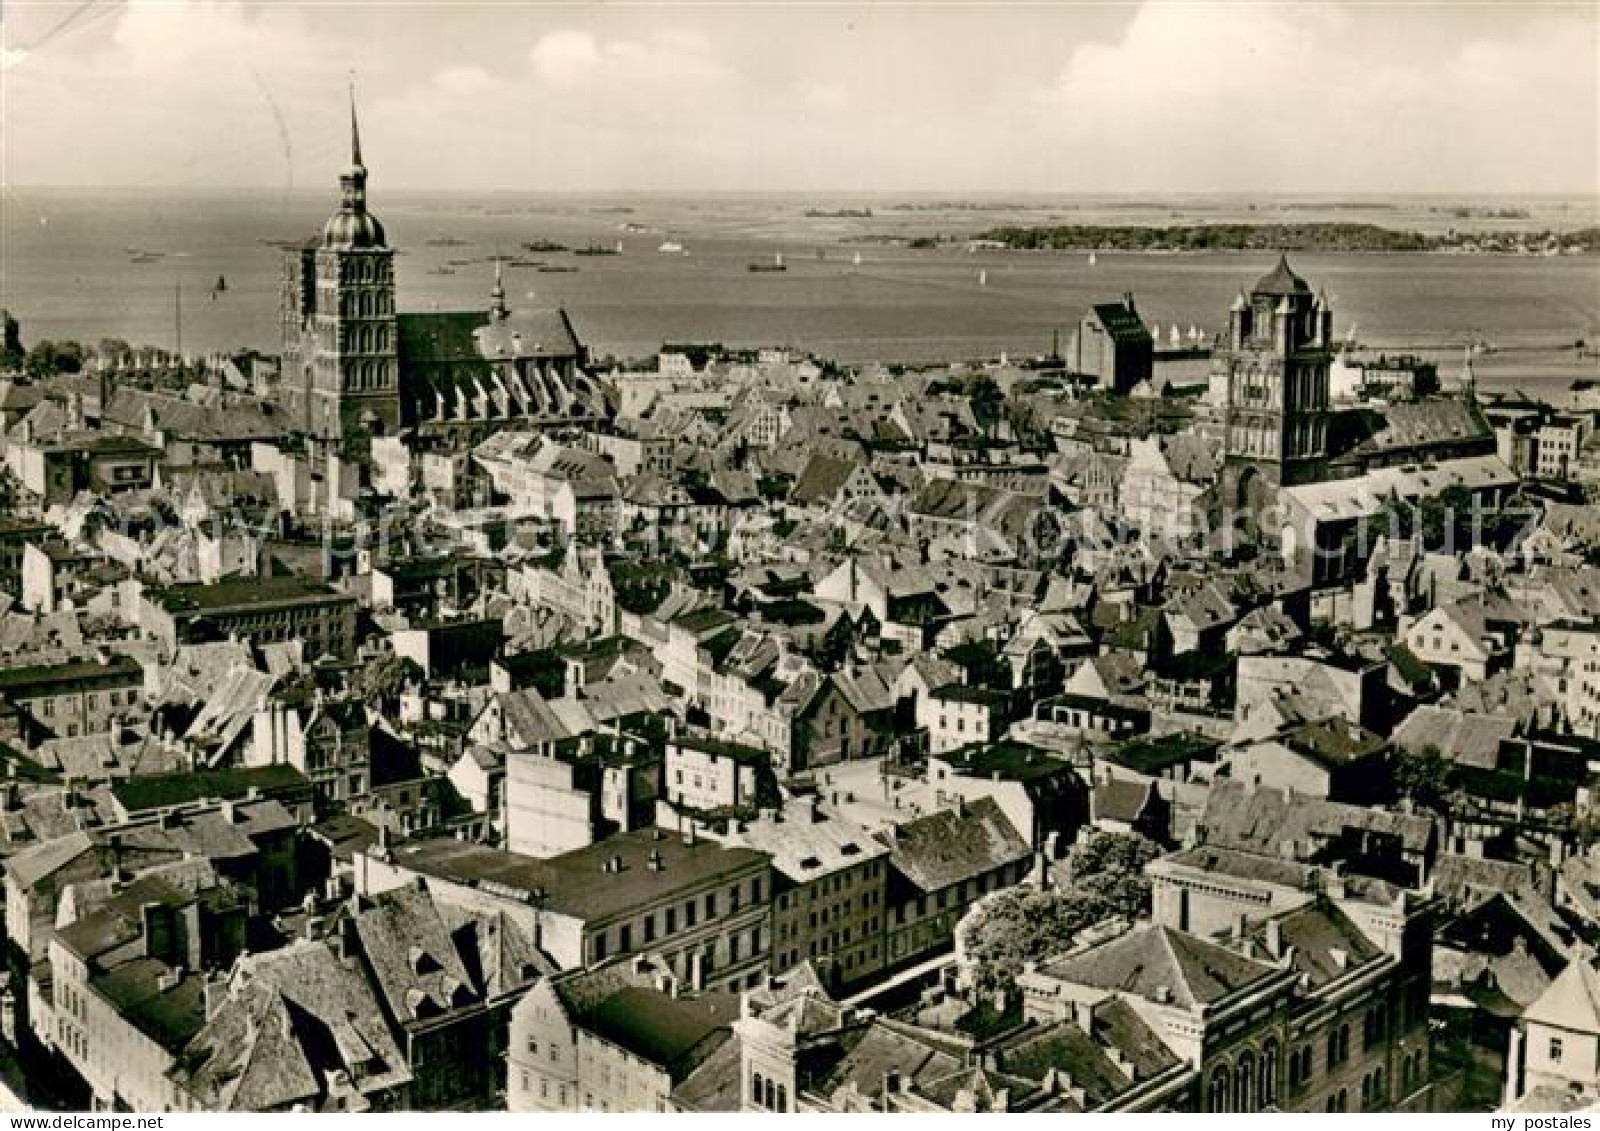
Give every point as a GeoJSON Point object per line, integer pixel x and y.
{"type": "Point", "coordinates": [1309, 98]}
{"type": "Point", "coordinates": [570, 59]}
{"type": "Point", "coordinates": [566, 58]}
{"type": "Point", "coordinates": [1161, 98]}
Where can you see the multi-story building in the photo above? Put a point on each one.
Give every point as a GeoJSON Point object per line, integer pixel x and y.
{"type": "Point", "coordinates": [617, 1038]}
{"type": "Point", "coordinates": [1042, 796]}
{"type": "Point", "coordinates": [940, 865]}
{"type": "Point", "coordinates": [128, 987]}
{"type": "Point", "coordinates": [1568, 653]}
{"type": "Point", "coordinates": [830, 892]}
{"type": "Point", "coordinates": [1555, 1047]}
{"type": "Point", "coordinates": [701, 907]}
{"type": "Point", "coordinates": [15, 535]}
{"type": "Point", "coordinates": [957, 715]}
{"type": "Point", "coordinates": [1319, 1008]}
{"type": "Point", "coordinates": [1558, 445]}
{"type": "Point", "coordinates": [578, 792]}
{"type": "Point", "coordinates": [447, 982]}
{"type": "Point", "coordinates": [309, 1005]}
{"type": "Point", "coordinates": [71, 700]}
{"type": "Point", "coordinates": [327, 740]}
{"type": "Point", "coordinates": [263, 610]}
{"type": "Point", "coordinates": [704, 774]}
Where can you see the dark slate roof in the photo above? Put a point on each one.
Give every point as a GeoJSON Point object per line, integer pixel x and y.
{"type": "Point", "coordinates": [947, 847]}
{"type": "Point", "coordinates": [1152, 959]}
{"type": "Point", "coordinates": [1121, 322]}
{"type": "Point", "coordinates": [821, 480]}
{"type": "Point", "coordinates": [577, 883]}
{"type": "Point", "coordinates": [1071, 1052]}
{"type": "Point", "coordinates": [1152, 756]}
{"type": "Point", "coordinates": [239, 420]}
{"type": "Point", "coordinates": [1326, 942]}
{"type": "Point", "coordinates": [674, 1033]}
{"type": "Point", "coordinates": [161, 790]}
{"type": "Point", "coordinates": [1264, 820]}
{"type": "Point", "coordinates": [529, 333]}
{"type": "Point", "coordinates": [1120, 800]}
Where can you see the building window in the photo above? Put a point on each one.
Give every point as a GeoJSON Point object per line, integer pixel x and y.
{"type": "Point", "coordinates": [1217, 1093]}
{"type": "Point", "coordinates": [1555, 1050]}
{"type": "Point", "coordinates": [1267, 1087]}
{"type": "Point", "coordinates": [1244, 1084]}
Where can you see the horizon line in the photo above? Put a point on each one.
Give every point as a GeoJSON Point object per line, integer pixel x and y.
{"type": "Point", "coordinates": [1331, 194]}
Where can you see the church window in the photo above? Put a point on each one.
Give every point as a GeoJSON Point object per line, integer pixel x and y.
{"type": "Point", "coordinates": [1243, 1083]}
{"type": "Point", "coordinates": [1217, 1092]}
{"type": "Point", "coordinates": [1267, 1089]}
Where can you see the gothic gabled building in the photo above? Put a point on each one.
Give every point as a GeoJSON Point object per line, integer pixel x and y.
{"type": "Point", "coordinates": [354, 368]}
{"type": "Point", "coordinates": [1273, 364]}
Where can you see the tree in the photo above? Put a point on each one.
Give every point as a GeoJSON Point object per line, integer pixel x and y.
{"type": "Point", "coordinates": [14, 355]}
{"type": "Point", "coordinates": [1103, 878]}
{"type": "Point", "coordinates": [382, 681]}
{"type": "Point", "coordinates": [1427, 777]}
{"type": "Point", "coordinates": [48, 358]}
{"type": "Point", "coordinates": [1110, 866]}
{"type": "Point", "coordinates": [1021, 925]}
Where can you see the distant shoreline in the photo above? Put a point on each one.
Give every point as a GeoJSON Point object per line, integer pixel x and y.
{"type": "Point", "coordinates": [1335, 238]}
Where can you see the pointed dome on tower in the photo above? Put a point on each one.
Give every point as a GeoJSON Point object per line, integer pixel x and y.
{"type": "Point", "coordinates": [353, 227]}
{"type": "Point", "coordinates": [1282, 280]}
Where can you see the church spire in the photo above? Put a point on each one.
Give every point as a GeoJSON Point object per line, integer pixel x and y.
{"type": "Point", "coordinates": [355, 128]}
{"type": "Point", "coordinates": [497, 296]}
{"type": "Point", "coordinates": [353, 181]}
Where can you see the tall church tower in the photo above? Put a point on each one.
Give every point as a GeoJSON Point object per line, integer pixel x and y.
{"type": "Point", "coordinates": [1274, 361]}
{"type": "Point", "coordinates": [340, 349]}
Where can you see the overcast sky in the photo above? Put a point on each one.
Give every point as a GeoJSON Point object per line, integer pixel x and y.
{"type": "Point", "coordinates": [1153, 97]}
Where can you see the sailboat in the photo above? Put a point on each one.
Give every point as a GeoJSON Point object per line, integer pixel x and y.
{"type": "Point", "coordinates": [1091, 259]}
{"type": "Point", "coordinates": [983, 278]}
{"type": "Point", "coordinates": [856, 262]}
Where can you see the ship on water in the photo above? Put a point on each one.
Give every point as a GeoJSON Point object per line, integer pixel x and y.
{"type": "Point", "coordinates": [670, 247]}
{"type": "Point", "coordinates": [775, 265]}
